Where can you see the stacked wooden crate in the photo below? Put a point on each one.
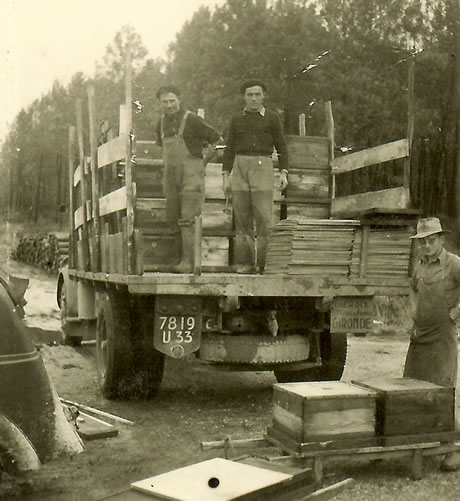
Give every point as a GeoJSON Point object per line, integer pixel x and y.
{"type": "Point", "coordinates": [311, 247]}
{"type": "Point", "coordinates": [379, 411]}
{"type": "Point", "coordinates": [158, 246]}
{"type": "Point", "coordinates": [308, 192]}
{"type": "Point", "coordinates": [410, 411]}
{"type": "Point", "coordinates": [320, 411]}
{"type": "Point", "coordinates": [387, 252]}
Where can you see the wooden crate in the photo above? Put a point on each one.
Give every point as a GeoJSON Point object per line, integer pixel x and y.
{"type": "Point", "coordinates": [411, 407]}
{"type": "Point", "coordinates": [308, 152]}
{"type": "Point", "coordinates": [322, 411]}
{"type": "Point", "coordinates": [319, 210]}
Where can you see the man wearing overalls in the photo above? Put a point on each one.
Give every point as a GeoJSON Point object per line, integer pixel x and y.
{"type": "Point", "coordinates": [434, 299]}
{"type": "Point", "coordinates": [183, 134]}
{"type": "Point", "coordinates": [253, 134]}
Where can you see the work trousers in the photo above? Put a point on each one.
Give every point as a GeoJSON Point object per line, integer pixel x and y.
{"type": "Point", "coordinates": [183, 184]}
{"type": "Point", "coordinates": [252, 199]}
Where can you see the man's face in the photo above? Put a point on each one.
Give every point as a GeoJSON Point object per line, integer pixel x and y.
{"type": "Point", "coordinates": [254, 98]}
{"type": "Point", "coordinates": [169, 103]}
{"type": "Point", "coordinates": [432, 245]}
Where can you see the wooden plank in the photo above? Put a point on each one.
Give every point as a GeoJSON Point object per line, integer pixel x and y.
{"type": "Point", "coordinates": [113, 202]}
{"type": "Point", "coordinates": [130, 188]}
{"type": "Point", "coordinates": [307, 184]}
{"type": "Point", "coordinates": [214, 251]}
{"type": "Point", "coordinates": [353, 205]}
{"type": "Point", "coordinates": [148, 150]}
{"type": "Point", "coordinates": [371, 156]}
{"type": "Point", "coordinates": [308, 152]}
{"type": "Point", "coordinates": [71, 158]}
{"type": "Point", "coordinates": [308, 211]}
{"type": "Point", "coordinates": [125, 120]}
{"type": "Point", "coordinates": [83, 188]}
{"type": "Point", "coordinates": [217, 217]}
{"type": "Point", "coordinates": [124, 245]}
{"type": "Point", "coordinates": [149, 180]}
{"type": "Point", "coordinates": [92, 428]}
{"type": "Point", "coordinates": [151, 215]}
{"type": "Point", "coordinates": [96, 262]}
{"type": "Point", "coordinates": [139, 250]}
{"type": "Point", "coordinates": [112, 151]}
{"type": "Point", "coordinates": [76, 176]}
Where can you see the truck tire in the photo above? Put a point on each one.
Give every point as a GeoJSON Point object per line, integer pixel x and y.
{"type": "Point", "coordinates": [333, 354]}
{"type": "Point", "coordinates": [69, 337]}
{"type": "Point", "coordinates": [114, 350]}
{"type": "Point", "coordinates": [149, 363]}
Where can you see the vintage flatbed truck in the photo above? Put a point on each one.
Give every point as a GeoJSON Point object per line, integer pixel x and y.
{"type": "Point", "coordinates": [322, 271]}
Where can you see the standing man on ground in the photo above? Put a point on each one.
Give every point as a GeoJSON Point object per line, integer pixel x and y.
{"type": "Point", "coordinates": [252, 135]}
{"type": "Point", "coordinates": [435, 305]}
{"type": "Point", "coordinates": [183, 134]}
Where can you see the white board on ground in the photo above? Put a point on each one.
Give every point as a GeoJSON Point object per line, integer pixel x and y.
{"type": "Point", "coordinates": [213, 480]}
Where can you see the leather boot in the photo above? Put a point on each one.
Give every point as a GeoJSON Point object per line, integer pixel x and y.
{"type": "Point", "coordinates": [244, 255]}
{"type": "Point", "coordinates": [187, 231]}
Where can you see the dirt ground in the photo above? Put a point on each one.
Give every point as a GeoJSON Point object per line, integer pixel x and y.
{"type": "Point", "coordinates": [195, 404]}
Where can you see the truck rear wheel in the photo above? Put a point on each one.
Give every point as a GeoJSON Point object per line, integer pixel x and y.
{"type": "Point", "coordinates": [114, 354]}
{"type": "Point", "coordinates": [148, 362]}
{"type": "Point", "coordinates": [333, 354]}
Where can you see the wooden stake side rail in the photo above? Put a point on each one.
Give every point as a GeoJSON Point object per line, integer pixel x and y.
{"type": "Point", "coordinates": [230, 284]}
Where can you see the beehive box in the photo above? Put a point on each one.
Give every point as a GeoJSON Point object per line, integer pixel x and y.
{"type": "Point", "coordinates": [324, 410]}
{"type": "Point", "coordinates": [408, 407]}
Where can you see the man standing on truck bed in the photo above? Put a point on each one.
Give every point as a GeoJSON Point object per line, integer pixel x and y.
{"type": "Point", "coordinates": [182, 134]}
{"type": "Point", "coordinates": [252, 135]}
{"type": "Point", "coordinates": [435, 304]}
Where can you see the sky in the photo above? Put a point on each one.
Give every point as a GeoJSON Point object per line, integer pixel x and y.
{"type": "Point", "coordinates": [46, 40]}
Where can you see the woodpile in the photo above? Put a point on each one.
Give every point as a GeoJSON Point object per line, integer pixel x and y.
{"type": "Point", "coordinates": [311, 247]}
{"type": "Point", "coordinates": [338, 247]}
{"type": "Point", "coordinates": [47, 251]}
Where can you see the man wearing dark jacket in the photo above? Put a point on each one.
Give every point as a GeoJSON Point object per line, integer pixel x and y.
{"type": "Point", "coordinates": [252, 136]}
{"type": "Point", "coordinates": [435, 305]}
{"type": "Point", "coordinates": [182, 134]}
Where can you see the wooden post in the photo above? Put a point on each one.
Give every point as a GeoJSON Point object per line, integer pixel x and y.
{"type": "Point", "coordinates": [410, 121]}
{"type": "Point", "coordinates": [198, 237]}
{"type": "Point", "coordinates": [457, 86]}
{"type": "Point", "coordinates": [302, 125]}
{"type": "Point", "coordinates": [130, 202]}
{"type": "Point", "coordinates": [331, 141]}
{"type": "Point", "coordinates": [83, 194]}
{"type": "Point", "coordinates": [72, 239]}
{"type": "Point", "coordinates": [96, 265]}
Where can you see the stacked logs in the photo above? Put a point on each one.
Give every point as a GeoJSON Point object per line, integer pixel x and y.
{"type": "Point", "coordinates": [47, 251]}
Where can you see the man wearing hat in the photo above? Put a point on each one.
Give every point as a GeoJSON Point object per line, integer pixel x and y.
{"type": "Point", "coordinates": [435, 305]}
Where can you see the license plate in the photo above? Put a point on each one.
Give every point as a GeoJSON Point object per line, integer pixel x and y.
{"type": "Point", "coordinates": [177, 335]}
{"type": "Point", "coordinates": [352, 314]}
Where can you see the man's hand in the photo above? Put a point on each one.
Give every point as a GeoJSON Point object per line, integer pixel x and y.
{"type": "Point", "coordinates": [283, 181]}
{"type": "Point", "coordinates": [210, 154]}
{"type": "Point", "coordinates": [226, 184]}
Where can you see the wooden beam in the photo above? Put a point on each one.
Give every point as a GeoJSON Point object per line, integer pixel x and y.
{"type": "Point", "coordinates": [353, 205]}
{"type": "Point", "coordinates": [113, 202]}
{"type": "Point", "coordinates": [302, 125]}
{"type": "Point", "coordinates": [83, 192]}
{"type": "Point", "coordinates": [331, 142]}
{"type": "Point", "coordinates": [124, 127]}
{"type": "Point", "coordinates": [96, 265]}
{"type": "Point", "coordinates": [71, 155]}
{"type": "Point", "coordinates": [130, 201]}
{"type": "Point", "coordinates": [112, 151]}
{"type": "Point", "coordinates": [371, 156]}
{"type": "Point", "coordinates": [76, 176]}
